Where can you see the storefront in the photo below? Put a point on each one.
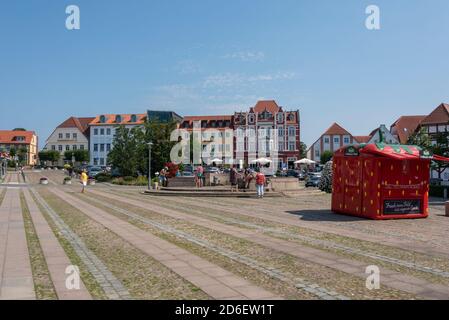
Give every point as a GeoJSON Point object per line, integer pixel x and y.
{"type": "Point", "coordinates": [381, 181]}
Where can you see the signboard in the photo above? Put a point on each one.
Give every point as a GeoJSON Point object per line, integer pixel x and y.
{"type": "Point", "coordinates": [351, 151]}
{"type": "Point", "coordinates": [402, 206]}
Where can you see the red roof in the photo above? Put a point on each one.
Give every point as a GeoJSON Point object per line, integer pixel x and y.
{"type": "Point", "coordinates": [362, 139]}
{"type": "Point", "coordinates": [405, 126]}
{"type": "Point", "coordinates": [110, 119]}
{"type": "Point", "coordinates": [439, 115]}
{"type": "Point", "coordinates": [269, 105]}
{"type": "Point", "coordinates": [206, 118]}
{"type": "Point", "coordinates": [12, 137]}
{"type": "Point", "coordinates": [336, 129]}
{"type": "Point", "coordinates": [74, 122]}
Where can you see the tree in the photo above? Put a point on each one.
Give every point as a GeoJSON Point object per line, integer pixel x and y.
{"type": "Point", "coordinates": [49, 155]}
{"type": "Point", "coordinates": [438, 145]}
{"type": "Point", "coordinates": [80, 155]}
{"type": "Point", "coordinates": [303, 150]}
{"type": "Point", "coordinates": [326, 156]}
{"type": "Point", "coordinates": [124, 154]}
{"type": "Point", "coordinates": [326, 178]}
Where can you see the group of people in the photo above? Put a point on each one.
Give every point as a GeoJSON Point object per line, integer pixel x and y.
{"type": "Point", "coordinates": [248, 176]}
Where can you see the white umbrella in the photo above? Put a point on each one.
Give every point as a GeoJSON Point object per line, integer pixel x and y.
{"type": "Point", "coordinates": [216, 160]}
{"type": "Point", "coordinates": [305, 161]}
{"type": "Point", "coordinates": [262, 161]}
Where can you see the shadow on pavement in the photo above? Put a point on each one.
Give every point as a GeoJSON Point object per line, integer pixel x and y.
{"type": "Point", "coordinates": [323, 215]}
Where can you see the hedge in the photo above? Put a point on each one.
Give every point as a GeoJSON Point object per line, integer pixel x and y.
{"type": "Point", "coordinates": [438, 191]}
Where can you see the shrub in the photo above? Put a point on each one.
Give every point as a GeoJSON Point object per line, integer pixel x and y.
{"type": "Point", "coordinates": [438, 191]}
{"type": "Point", "coordinates": [103, 177]}
{"type": "Point", "coordinates": [67, 179]}
{"type": "Point", "coordinates": [118, 181]}
{"type": "Point", "coordinates": [326, 178]}
{"type": "Point", "coordinates": [128, 179]}
{"type": "Point", "coordinates": [141, 181]}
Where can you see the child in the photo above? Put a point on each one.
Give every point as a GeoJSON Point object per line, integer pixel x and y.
{"type": "Point", "coordinates": [84, 179]}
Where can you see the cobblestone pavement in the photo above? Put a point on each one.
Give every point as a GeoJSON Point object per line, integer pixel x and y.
{"type": "Point", "coordinates": [267, 223]}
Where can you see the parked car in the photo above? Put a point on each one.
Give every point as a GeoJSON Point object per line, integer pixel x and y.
{"type": "Point", "coordinates": [313, 181]}
{"type": "Point", "coordinates": [187, 174]}
{"type": "Point", "coordinates": [292, 173]}
{"type": "Point", "coordinates": [302, 176]}
{"type": "Point", "coordinates": [93, 171]}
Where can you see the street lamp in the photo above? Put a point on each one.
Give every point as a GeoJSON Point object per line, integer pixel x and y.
{"type": "Point", "coordinates": [149, 164]}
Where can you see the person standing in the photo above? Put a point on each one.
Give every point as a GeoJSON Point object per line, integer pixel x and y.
{"type": "Point", "coordinates": [200, 176]}
{"type": "Point", "coordinates": [260, 184]}
{"type": "Point", "coordinates": [233, 179]}
{"type": "Point", "coordinates": [84, 179]}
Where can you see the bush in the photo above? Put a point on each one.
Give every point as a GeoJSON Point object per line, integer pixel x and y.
{"type": "Point", "coordinates": [128, 179]}
{"type": "Point", "coordinates": [103, 177]}
{"type": "Point", "coordinates": [326, 178]}
{"type": "Point", "coordinates": [131, 181]}
{"type": "Point", "coordinates": [67, 179]}
{"type": "Point", "coordinates": [438, 191]}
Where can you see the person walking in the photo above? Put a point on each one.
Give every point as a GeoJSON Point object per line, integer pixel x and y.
{"type": "Point", "coordinates": [84, 179]}
{"type": "Point", "coordinates": [260, 183]}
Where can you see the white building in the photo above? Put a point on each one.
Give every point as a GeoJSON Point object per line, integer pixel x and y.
{"type": "Point", "coordinates": [72, 134]}
{"type": "Point", "coordinates": [387, 136]}
{"type": "Point", "coordinates": [102, 131]}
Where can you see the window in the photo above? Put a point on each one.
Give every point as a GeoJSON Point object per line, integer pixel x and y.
{"type": "Point", "coordinates": [441, 128]}
{"type": "Point", "coordinates": [133, 118]}
{"type": "Point", "coordinates": [67, 148]}
{"type": "Point", "coordinates": [60, 147]}
{"type": "Point", "coordinates": [280, 117]}
{"type": "Point", "coordinates": [95, 132]}
{"type": "Point", "coordinates": [346, 140]}
{"type": "Point", "coordinates": [251, 118]}
{"type": "Point", "coordinates": [75, 136]}
{"type": "Point", "coordinates": [336, 139]}
{"type": "Point", "coordinates": [252, 146]}
{"type": "Point", "coordinates": [60, 136]}
{"type": "Point", "coordinates": [101, 161]}
{"type": "Point", "coordinates": [108, 131]}
{"type": "Point", "coordinates": [102, 147]}
{"type": "Point", "coordinates": [67, 135]}
{"type": "Point", "coordinates": [281, 132]}
{"type": "Point", "coordinates": [95, 147]}
{"type": "Point", "coordinates": [53, 147]}
{"type": "Point", "coordinates": [326, 140]}
{"type": "Point", "coordinates": [291, 146]}
{"type": "Point", "coordinates": [81, 146]}
{"type": "Point", "coordinates": [281, 146]}
{"type": "Point", "coordinates": [432, 129]}
{"type": "Point", "coordinates": [74, 147]}
{"type": "Point", "coordinates": [317, 153]}
{"type": "Point", "coordinates": [291, 131]}
{"type": "Point", "coordinates": [240, 146]}
{"type": "Point", "coordinates": [96, 161]}
{"type": "Point", "coordinates": [108, 147]}
{"type": "Point", "coordinates": [102, 119]}
{"type": "Point", "coordinates": [118, 118]}
{"type": "Point", "coordinates": [102, 132]}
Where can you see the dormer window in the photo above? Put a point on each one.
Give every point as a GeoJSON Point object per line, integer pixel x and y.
{"type": "Point", "coordinates": [102, 119]}
{"type": "Point", "coordinates": [251, 118]}
{"type": "Point", "coordinates": [133, 118]}
{"type": "Point", "coordinates": [280, 117]}
{"type": "Point", "coordinates": [291, 117]}
{"type": "Point", "coordinates": [118, 118]}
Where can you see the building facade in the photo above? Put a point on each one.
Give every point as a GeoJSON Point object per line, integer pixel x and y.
{"type": "Point", "coordinates": [19, 139]}
{"type": "Point", "coordinates": [71, 135]}
{"type": "Point", "coordinates": [331, 140]}
{"type": "Point", "coordinates": [265, 130]}
{"type": "Point", "coordinates": [102, 130]}
{"type": "Point", "coordinates": [405, 126]}
{"type": "Point", "coordinates": [382, 134]}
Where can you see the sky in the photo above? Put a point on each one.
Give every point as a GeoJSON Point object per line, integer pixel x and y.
{"type": "Point", "coordinates": [201, 57]}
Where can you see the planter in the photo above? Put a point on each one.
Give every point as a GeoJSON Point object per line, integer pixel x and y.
{"type": "Point", "coordinates": [91, 182]}
{"type": "Point", "coordinates": [69, 182]}
{"type": "Point", "coordinates": [43, 181]}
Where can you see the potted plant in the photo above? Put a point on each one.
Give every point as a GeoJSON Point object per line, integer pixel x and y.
{"type": "Point", "coordinates": [67, 180]}
{"type": "Point", "coordinates": [43, 180]}
{"type": "Point", "coordinates": [91, 182]}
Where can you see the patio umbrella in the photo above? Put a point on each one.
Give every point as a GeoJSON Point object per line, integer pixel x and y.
{"type": "Point", "coordinates": [262, 161]}
{"type": "Point", "coordinates": [305, 161]}
{"type": "Point", "coordinates": [216, 160]}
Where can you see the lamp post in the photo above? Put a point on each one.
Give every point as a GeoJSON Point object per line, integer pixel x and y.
{"type": "Point", "coordinates": [149, 164]}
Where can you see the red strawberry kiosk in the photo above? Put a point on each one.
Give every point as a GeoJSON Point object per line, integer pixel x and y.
{"type": "Point", "coordinates": [381, 181]}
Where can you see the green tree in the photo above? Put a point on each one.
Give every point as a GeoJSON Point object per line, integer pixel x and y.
{"type": "Point", "coordinates": [49, 155]}
{"type": "Point", "coordinates": [80, 155]}
{"type": "Point", "coordinates": [326, 156]}
{"type": "Point", "coordinates": [303, 150]}
{"type": "Point", "coordinates": [125, 154]}
{"type": "Point", "coordinates": [420, 138]}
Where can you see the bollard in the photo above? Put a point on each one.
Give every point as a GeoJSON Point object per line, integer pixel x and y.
{"type": "Point", "coordinates": [447, 208]}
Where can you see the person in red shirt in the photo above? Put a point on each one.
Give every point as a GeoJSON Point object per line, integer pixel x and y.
{"type": "Point", "coordinates": [260, 183]}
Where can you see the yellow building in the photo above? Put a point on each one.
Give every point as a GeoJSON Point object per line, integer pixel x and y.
{"type": "Point", "coordinates": [19, 140]}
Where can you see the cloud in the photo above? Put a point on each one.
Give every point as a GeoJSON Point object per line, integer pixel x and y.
{"type": "Point", "coordinates": [238, 79]}
{"type": "Point", "coordinates": [246, 56]}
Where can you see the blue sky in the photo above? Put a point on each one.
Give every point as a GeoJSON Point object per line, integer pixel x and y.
{"type": "Point", "coordinates": [216, 57]}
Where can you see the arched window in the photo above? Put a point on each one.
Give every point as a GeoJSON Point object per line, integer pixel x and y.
{"type": "Point", "coordinates": [102, 119]}
{"type": "Point", "coordinates": [133, 118]}
{"type": "Point", "coordinates": [118, 118]}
